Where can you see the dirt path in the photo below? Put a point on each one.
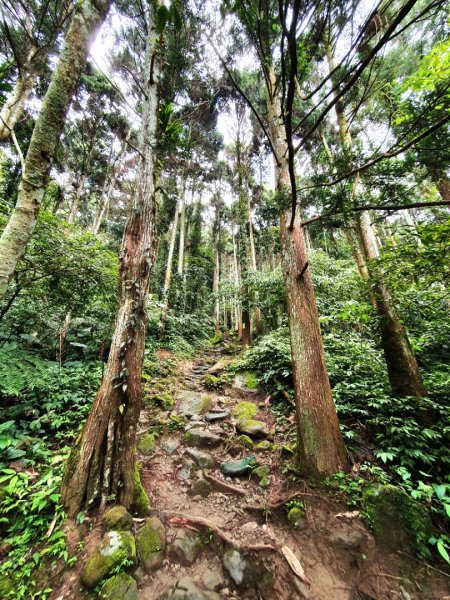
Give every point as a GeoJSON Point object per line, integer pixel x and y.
{"type": "Point", "coordinates": [339, 556]}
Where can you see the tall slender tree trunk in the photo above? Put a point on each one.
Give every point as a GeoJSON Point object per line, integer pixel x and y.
{"type": "Point", "coordinates": [237, 284]}
{"type": "Point", "coordinates": [403, 371]}
{"type": "Point", "coordinates": [102, 463]}
{"type": "Point", "coordinates": [251, 237]}
{"type": "Point", "coordinates": [216, 276]}
{"type": "Point", "coordinates": [321, 447]}
{"type": "Point", "coordinates": [169, 266]}
{"type": "Point", "coordinates": [14, 107]}
{"type": "Point", "coordinates": [88, 16]}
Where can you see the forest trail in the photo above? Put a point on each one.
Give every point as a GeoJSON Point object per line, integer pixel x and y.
{"type": "Point", "coordinates": [338, 554]}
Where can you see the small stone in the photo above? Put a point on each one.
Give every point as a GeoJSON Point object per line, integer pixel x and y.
{"type": "Point", "coordinates": [115, 548]}
{"type": "Point", "coordinates": [261, 471]}
{"type": "Point", "coordinates": [296, 516]}
{"type": "Point", "coordinates": [234, 468]}
{"type": "Point", "coordinates": [202, 437]}
{"type": "Point", "coordinates": [170, 446]}
{"type": "Point", "coordinates": [185, 547]}
{"type": "Point", "coordinates": [119, 587]}
{"type": "Point", "coordinates": [200, 488]}
{"type": "Point", "coordinates": [220, 366]}
{"type": "Point", "coordinates": [247, 441]}
{"type": "Point", "coordinates": [117, 518]}
{"type": "Point", "coordinates": [264, 446]}
{"type": "Point", "coordinates": [350, 536]}
{"type": "Point", "coordinates": [264, 482]}
{"type": "Point", "coordinates": [187, 469]}
{"type": "Point", "coordinates": [151, 544]}
{"type": "Point", "coordinates": [234, 564]}
{"type": "Point", "coordinates": [256, 429]}
{"type": "Point", "coordinates": [203, 459]}
{"type": "Point", "coordinates": [216, 416]}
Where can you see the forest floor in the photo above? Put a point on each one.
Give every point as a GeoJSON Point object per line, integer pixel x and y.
{"type": "Point", "coordinates": [230, 536]}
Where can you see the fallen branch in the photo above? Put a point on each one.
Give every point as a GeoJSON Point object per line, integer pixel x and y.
{"type": "Point", "coordinates": [224, 487]}
{"type": "Point", "coordinates": [175, 518]}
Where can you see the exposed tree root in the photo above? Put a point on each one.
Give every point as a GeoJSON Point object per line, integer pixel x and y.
{"type": "Point", "coordinates": [224, 487]}
{"type": "Point", "coordinates": [176, 518]}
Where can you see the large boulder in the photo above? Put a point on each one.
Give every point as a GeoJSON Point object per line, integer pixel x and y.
{"type": "Point", "coordinates": [194, 403]}
{"type": "Point", "coordinates": [117, 518]}
{"type": "Point", "coordinates": [396, 519]}
{"type": "Point", "coordinates": [119, 587]}
{"type": "Point", "coordinates": [151, 544]}
{"type": "Point", "coordinates": [116, 548]}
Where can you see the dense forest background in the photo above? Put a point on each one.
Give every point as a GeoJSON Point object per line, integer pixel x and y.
{"type": "Point", "coordinates": [232, 165]}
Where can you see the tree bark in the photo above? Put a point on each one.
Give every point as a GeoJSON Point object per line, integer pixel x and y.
{"type": "Point", "coordinates": [88, 16]}
{"type": "Point", "coordinates": [168, 276]}
{"type": "Point", "coordinates": [102, 463]}
{"type": "Point", "coordinates": [403, 371]}
{"type": "Point", "coordinates": [321, 448]}
{"type": "Point", "coordinates": [216, 273]}
{"type": "Point", "coordinates": [14, 106]}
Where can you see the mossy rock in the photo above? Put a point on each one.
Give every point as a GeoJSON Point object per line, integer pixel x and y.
{"type": "Point", "coordinates": [151, 544]}
{"type": "Point", "coordinates": [261, 471]}
{"type": "Point", "coordinates": [117, 549]}
{"type": "Point", "coordinates": [220, 366]}
{"type": "Point", "coordinates": [164, 401]}
{"type": "Point", "coordinates": [186, 546]}
{"type": "Point", "coordinates": [217, 339]}
{"type": "Point", "coordinates": [264, 446]}
{"type": "Point", "coordinates": [244, 411]}
{"type": "Point", "coordinates": [247, 441]}
{"type": "Point", "coordinates": [212, 382]}
{"type": "Point", "coordinates": [117, 518]}
{"type": "Point", "coordinates": [395, 518]}
{"type": "Point", "coordinates": [119, 587]}
{"type": "Point", "coordinates": [295, 516]}
{"type": "Point", "coordinates": [194, 403]}
{"type": "Point", "coordinates": [147, 444]}
{"type": "Point", "coordinates": [255, 429]}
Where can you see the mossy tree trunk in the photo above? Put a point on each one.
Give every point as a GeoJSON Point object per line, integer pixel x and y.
{"type": "Point", "coordinates": [87, 17]}
{"type": "Point", "coordinates": [321, 448]}
{"type": "Point", "coordinates": [102, 464]}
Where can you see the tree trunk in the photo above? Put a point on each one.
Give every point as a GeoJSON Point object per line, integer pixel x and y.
{"type": "Point", "coordinates": [168, 276]}
{"type": "Point", "coordinates": [87, 17]}
{"type": "Point", "coordinates": [321, 448]}
{"type": "Point", "coordinates": [216, 274]}
{"type": "Point", "coordinates": [237, 284]}
{"type": "Point", "coordinates": [102, 464]}
{"type": "Point", "coordinates": [182, 236]}
{"type": "Point", "coordinates": [14, 106]}
{"type": "Point", "coordinates": [251, 236]}
{"type": "Point", "coordinates": [403, 371]}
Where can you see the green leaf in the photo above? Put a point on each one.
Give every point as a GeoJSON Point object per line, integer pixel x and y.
{"type": "Point", "coordinates": [442, 551]}
{"type": "Point", "coordinates": [161, 18]}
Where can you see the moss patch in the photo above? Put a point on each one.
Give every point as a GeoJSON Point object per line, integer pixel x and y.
{"type": "Point", "coordinates": [147, 444]}
{"type": "Point", "coordinates": [116, 550]}
{"type": "Point", "coordinates": [247, 441]}
{"type": "Point", "coordinates": [120, 587]}
{"type": "Point", "coordinates": [141, 503]}
{"type": "Point", "coordinates": [251, 380]}
{"type": "Point", "coordinates": [295, 516]}
{"type": "Point", "coordinates": [256, 429]}
{"type": "Point", "coordinates": [244, 411]}
{"type": "Point", "coordinates": [117, 518]}
{"type": "Point", "coordinates": [164, 401]}
{"type": "Point", "coordinates": [395, 518]}
{"type": "Point", "coordinates": [151, 544]}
